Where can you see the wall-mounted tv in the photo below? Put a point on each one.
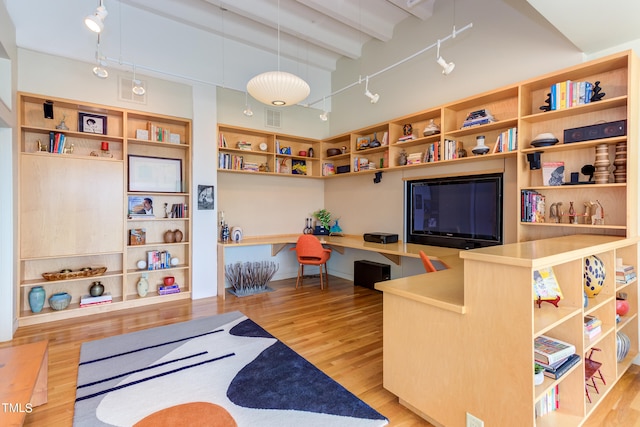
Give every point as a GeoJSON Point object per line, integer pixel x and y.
{"type": "Point", "coordinates": [458, 212]}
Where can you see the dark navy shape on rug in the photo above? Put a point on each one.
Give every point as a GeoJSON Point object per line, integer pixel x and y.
{"type": "Point", "coordinates": [279, 378]}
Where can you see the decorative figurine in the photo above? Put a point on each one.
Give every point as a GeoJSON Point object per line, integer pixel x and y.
{"type": "Point", "coordinates": [547, 101]}
{"type": "Point", "coordinates": [589, 171]}
{"type": "Point", "coordinates": [597, 96]}
{"type": "Point", "coordinates": [431, 129]}
{"type": "Point", "coordinates": [573, 219]}
{"type": "Point", "coordinates": [597, 213]}
{"type": "Point", "coordinates": [62, 125]}
{"type": "Point", "coordinates": [407, 130]}
{"type": "Point", "coordinates": [402, 158]}
{"type": "Point", "coordinates": [167, 214]}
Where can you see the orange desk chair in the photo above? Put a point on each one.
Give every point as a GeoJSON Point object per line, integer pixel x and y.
{"type": "Point", "coordinates": [428, 265]}
{"type": "Point", "coordinates": [310, 251]}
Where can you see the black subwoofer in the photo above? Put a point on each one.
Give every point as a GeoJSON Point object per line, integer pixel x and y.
{"type": "Point", "coordinates": [367, 273]}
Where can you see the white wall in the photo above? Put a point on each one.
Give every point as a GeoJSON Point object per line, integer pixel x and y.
{"type": "Point", "coordinates": [8, 175]}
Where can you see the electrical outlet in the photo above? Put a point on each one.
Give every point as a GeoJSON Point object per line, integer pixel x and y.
{"type": "Point", "coordinates": [473, 421]}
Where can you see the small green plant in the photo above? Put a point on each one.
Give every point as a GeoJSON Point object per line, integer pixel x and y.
{"type": "Point", "coordinates": [324, 216]}
{"type": "Point", "coordinates": [537, 368]}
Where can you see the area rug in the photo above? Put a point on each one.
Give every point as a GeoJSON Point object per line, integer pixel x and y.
{"type": "Point", "coordinates": [218, 371]}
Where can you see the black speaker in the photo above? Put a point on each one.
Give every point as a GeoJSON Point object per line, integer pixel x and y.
{"type": "Point", "coordinates": [534, 160]}
{"type": "Point", "coordinates": [48, 109]}
{"type": "Point", "coordinates": [599, 131]}
{"type": "Point", "coordinates": [367, 273]}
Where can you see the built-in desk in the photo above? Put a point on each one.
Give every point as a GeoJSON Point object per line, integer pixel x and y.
{"type": "Point", "coordinates": [392, 251]}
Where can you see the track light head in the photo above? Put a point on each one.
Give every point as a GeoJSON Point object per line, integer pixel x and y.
{"type": "Point", "coordinates": [95, 22]}
{"type": "Point", "coordinates": [99, 70]}
{"type": "Point", "coordinates": [323, 116]}
{"type": "Point", "coordinates": [373, 97]}
{"type": "Point", "coordinates": [138, 88]}
{"type": "Point", "coordinates": [447, 67]}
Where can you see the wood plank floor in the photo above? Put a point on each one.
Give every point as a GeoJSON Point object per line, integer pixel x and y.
{"type": "Point", "coordinates": [339, 330]}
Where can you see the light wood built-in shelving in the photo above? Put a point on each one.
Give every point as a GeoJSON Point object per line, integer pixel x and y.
{"type": "Point", "coordinates": [73, 206]}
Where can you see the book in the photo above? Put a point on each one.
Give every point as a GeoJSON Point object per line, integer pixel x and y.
{"type": "Point", "coordinates": [545, 285]}
{"type": "Point", "coordinates": [88, 299]}
{"type": "Point", "coordinates": [91, 304]}
{"type": "Point", "coordinates": [593, 332]}
{"type": "Point", "coordinates": [556, 373]}
{"type": "Point", "coordinates": [549, 350]}
{"type": "Point", "coordinates": [553, 173]}
{"type": "Point", "coordinates": [553, 366]}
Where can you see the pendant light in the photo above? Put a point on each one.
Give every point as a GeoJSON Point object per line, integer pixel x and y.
{"type": "Point", "coordinates": [95, 22]}
{"type": "Point", "coordinates": [137, 86]}
{"type": "Point", "coordinates": [247, 108]}
{"type": "Point", "coordinates": [278, 88]}
{"type": "Point", "coordinates": [99, 70]}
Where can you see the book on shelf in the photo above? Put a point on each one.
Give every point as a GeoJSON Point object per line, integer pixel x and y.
{"type": "Point", "coordinates": [549, 350]}
{"type": "Point", "coordinates": [553, 173]}
{"type": "Point", "coordinates": [593, 332]}
{"type": "Point", "coordinates": [548, 402]}
{"type": "Point", "coordinates": [545, 285]}
{"type": "Point", "coordinates": [591, 322]}
{"type": "Point", "coordinates": [559, 371]}
{"type": "Point", "coordinates": [625, 274]}
{"type": "Point", "coordinates": [532, 206]}
{"type": "Point", "coordinates": [88, 300]}
{"type": "Point", "coordinates": [166, 290]}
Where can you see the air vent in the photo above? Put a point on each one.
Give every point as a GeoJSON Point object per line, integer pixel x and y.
{"type": "Point", "coordinates": [126, 94]}
{"type": "Point", "coordinates": [273, 118]}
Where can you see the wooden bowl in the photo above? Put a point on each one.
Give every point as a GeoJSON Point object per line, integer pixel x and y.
{"type": "Point", "coordinates": [333, 152]}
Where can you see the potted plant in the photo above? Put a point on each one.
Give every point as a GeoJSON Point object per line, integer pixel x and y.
{"type": "Point", "coordinates": [324, 216]}
{"type": "Point", "coordinates": [538, 374]}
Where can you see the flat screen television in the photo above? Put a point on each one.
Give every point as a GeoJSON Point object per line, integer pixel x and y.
{"type": "Point", "coordinates": [458, 212]}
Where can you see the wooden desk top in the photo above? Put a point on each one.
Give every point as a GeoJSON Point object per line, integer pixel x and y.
{"type": "Point", "coordinates": [23, 369]}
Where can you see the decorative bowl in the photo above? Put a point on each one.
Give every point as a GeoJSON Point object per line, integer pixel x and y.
{"type": "Point", "coordinates": [333, 152]}
{"type": "Point", "coordinates": [479, 150]}
{"type": "Point", "coordinates": [302, 153]}
{"type": "Point", "coordinates": [59, 301]}
{"type": "Point", "coordinates": [169, 280]}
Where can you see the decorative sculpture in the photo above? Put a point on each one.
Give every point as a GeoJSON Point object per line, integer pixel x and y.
{"type": "Point", "coordinates": [547, 101]}
{"type": "Point", "coordinates": [597, 213]}
{"type": "Point", "coordinates": [597, 96]}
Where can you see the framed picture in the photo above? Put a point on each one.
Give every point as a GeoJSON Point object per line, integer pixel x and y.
{"type": "Point", "coordinates": [155, 174]}
{"type": "Point", "coordinates": [140, 206]}
{"type": "Point", "coordinates": [298, 167]}
{"type": "Point", "coordinates": [205, 197]}
{"type": "Point", "coordinates": [362, 142]}
{"type": "Point", "coordinates": [92, 123]}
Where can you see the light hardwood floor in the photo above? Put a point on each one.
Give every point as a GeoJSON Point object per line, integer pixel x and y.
{"type": "Point", "coordinates": [339, 330]}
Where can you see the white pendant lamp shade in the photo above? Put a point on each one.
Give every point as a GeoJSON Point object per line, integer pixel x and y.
{"type": "Point", "coordinates": [278, 88]}
{"type": "Point", "coordinates": [95, 22]}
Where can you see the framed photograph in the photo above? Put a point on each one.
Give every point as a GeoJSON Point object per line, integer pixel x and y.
{"type": "Point", "coordinates": [205, 197]}
{"type": "Point", "coordinates": [92, 123]}
{"type": "Point", "coordinates": [140, 206]}
{"type": "Point", "coordinates": [362, 142]}
{"type": "Point", "coordinates": [155, 174]}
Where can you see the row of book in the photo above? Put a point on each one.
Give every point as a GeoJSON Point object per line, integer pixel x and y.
{"type": "Point", "coordinates": [161, 134]}
{"type": "Point", "coordinates": [57, 142]}
{"type": "Point", "coordinates": [250, 167]}
{"type": "Point", "coordinates": [178, 210]}
{"type": "Point", "coordinates": [222, 141]}
{"type": "Point", "coordinates": [532, 206]}
{"type": "Point", "coordinates": [548, 403]}
{"type": "Point", "coordinates": [625, 274]}
{"type": "Point", "coordinates": [158, 260]}
{"type": "Point", "coordinates": [166, 290]}
{"type": "Point", "coordinates": [592, 326]}
{"type": "Point", "coordinates": [567, 94]}
{"type": "Point", "coordinates": [230, 161]}
{"type": "Point", "coordinates": [506, 141]}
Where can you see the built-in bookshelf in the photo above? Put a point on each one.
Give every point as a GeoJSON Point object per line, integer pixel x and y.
{"type": "Point", "coordinates": [74, 204]}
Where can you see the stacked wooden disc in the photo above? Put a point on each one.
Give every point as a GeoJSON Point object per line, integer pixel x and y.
{"type": "Point", "coordinates": [620, 162]}
{"type": "Point", "coordinates": [602, 164]}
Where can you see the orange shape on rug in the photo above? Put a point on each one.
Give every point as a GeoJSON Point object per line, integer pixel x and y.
{"type": "Point", "coordinates": [189, 414]}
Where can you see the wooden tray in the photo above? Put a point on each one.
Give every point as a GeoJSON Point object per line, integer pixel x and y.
{"type": "Point", "coordinates": [98, 271]}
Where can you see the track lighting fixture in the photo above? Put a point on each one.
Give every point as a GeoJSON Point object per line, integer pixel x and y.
{"type": "Point", "coordinates": [373, 97]}
{"type": "Point", "coordinates": [100, 71]}
{"type": "Point", "coordinates": [247, 108]}
{"type": "Point", "coordinates": [95, 22]}
{"type": "Point", "coordinates": [447, 67]}
{"type": "Point", "coordinates": [323, 116]}
{"type": "Point", "coordinates": [137, 86]}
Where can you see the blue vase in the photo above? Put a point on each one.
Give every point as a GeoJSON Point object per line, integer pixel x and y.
{"type": "Point", "coordinates": [37, 295]}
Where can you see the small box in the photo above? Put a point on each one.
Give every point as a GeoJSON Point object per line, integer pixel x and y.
{"type": "Point", "coordinates": [343, 169]}
{"type": "Point", "coordinates": [142, 134]}
{"type": "Point", "coordinates": [174, 138]}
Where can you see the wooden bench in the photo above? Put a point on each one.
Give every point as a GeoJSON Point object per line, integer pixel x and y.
{"type": "Point", "coordinates": [23, 369]}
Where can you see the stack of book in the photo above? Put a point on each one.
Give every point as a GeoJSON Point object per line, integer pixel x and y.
{"type": "Point", "coordinates": [506, 141]}
{"type": "Point", "coordinates": [477, 118]}
{"type": "Point", "coordinates": [166, 290]}
{"type": "Point", "coordinates": [414, 158]}
{"type": "Point", "coordinates": [250, 167]}
{"type": "Point", "coordinates": [592, 326]}
{"type": "Point", "coordinates": [406, 138]}
{"type": "Point", "coordinates": [556, 356]}
{"type": "Point", "coordinates": [625, 274]}
{"type": "Point", "coordinates": [89, 301]}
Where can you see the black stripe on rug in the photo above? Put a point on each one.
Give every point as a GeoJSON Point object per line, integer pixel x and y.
{"type": "Point", "coordinates": [162, 374]}
{"type": "Point", "coordinates": [87, 362]}
{"type": "Point", "coordinates": [135, 371]}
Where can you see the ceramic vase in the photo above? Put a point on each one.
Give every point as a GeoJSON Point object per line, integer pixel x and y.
{"type": "Point", "coordinates": [538, 378]}
{"type": "Point", "coordinates": [96, 289]}
{"type": "Point", "coordinates": [143, 287]}
{"type": "Point", "coordinates": [169, 236]}
{"type": "Point", "coordinates": [37, 296]}
{"type": "Point", "coordinates": [177, 234]}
